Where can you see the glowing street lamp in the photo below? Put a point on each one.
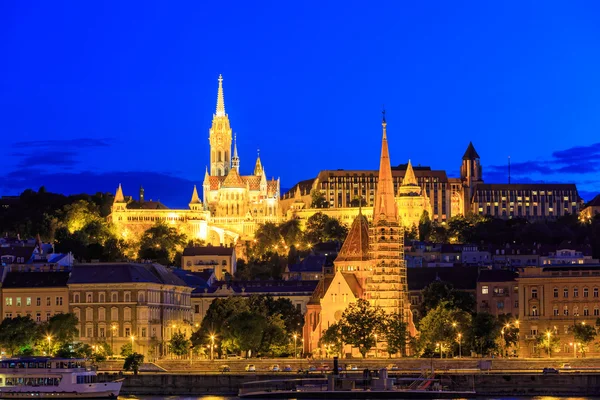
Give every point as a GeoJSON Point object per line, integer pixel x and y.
{"type": "Point", "coordinates": [49, 338]}
{"type": "Point", "coordinates": [295, 352]}
{"type": "Point", "coordinates": [132, 344]}
{"type": "Point", "coordinates": [113, 328]}
{"type": "Point", "coordinates": [548, 334]}
{"type": "Point", "coordinates": [459, 345]}
{"type": "Point", "coordinates": [212, 346]}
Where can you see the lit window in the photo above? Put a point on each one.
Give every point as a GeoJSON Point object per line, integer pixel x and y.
{"type": "Point", "coordinates": [485, 289]}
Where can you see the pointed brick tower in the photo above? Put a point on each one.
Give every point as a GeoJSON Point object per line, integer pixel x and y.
{"type": "Point", "coordinates": [387, 286]}
{"type": "Point", "coordinates": [195, 203]}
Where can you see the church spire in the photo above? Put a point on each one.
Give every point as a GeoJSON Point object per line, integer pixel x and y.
{"type": "Point", "coordinates": [235, 160]}
{"type": "Point", "coordinates": [220, 99]}
{"type": "Point", "coordinates": [258, 168]}
{"type": "Point", "coordinates": [119, 198]}
{"type": "Point", "coordinates": [385, 206]}
{"type": "Point", "coordinates": [409, 177]}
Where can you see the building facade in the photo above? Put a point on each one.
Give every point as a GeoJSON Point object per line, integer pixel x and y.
{"type": "Point", "coordinates": [122, 303]}
{"type": "Point", "coordinates": [551, 301]}
{"type": "Point", "coordinates": [233, 205]}
{"type": "Point", "coordinates": [220, 259]}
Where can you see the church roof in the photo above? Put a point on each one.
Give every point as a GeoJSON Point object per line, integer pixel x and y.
{"type": "Point", "coordinates": [253, 181]}
{"type": "Point", "coordinates": [258, 168]}
{"type": "Point", "coordinates": [470, 154]}
{"type": "Point", "coordinates": [409, 177]}
{"type": "Point", "coordinates": [195, 198]}
{"type": "Point", "coordinates": [385, 205]}
{"type": "Point", "coordinates": [271, 187]}
{"type": "Point", "coordinates": [119, 195]}
{"type": "Point", "coordinates": [146, 205]}
{"type": "Point", "coordinates": [233, 180]}
{"type": "Point", "coordinates": [356, 245]}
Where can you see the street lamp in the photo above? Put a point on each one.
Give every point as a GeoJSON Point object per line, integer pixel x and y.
{"type": "Point", "coordinates": [49, 338]}
{"type": "Point", "coordinates": [113, 328]}
{"type": "Point", "coordinates": [459, 345]}
{"type": "Point", "coordinates": [212, 346]}
{"type": "Point", "coordinates": [295, 353]}
{"type": "Point", "coordinates": [549, 352]}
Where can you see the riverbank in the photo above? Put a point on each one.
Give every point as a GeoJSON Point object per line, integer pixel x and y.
{"type": "Point", "coordinates": [485, 384]}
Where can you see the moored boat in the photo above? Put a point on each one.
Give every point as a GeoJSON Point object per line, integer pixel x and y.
{"type": "Point", "coordinates": [47, 377]}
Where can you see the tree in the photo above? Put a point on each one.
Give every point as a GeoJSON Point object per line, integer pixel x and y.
{"type": "Point", "coordinates": [550, 343]}
{"type": "Point", "coordinates": [161, 243]}
{"type": "Point", "coordinates": [440, 328]}
{"type": "Point", "coordinates": [291, 233]}
{"type": "Point", "coordinates": [583, 335]}
{"type": "Point", "coordinates": [510, 331]}
{"type": "Point", "coordinates": [484, 332]}
{"type": "Point", "coordinates": [396, 334]}
{"type": "Point", "coordinates": [425, 226]}
{"type": "Point", "coordinates": [245, 331]}
{"type": "Point", "coordinates": [179, 344]}
{"type": "Point", "coordinates": [133, 362]}
{"type": "Point", "coordinates": [267, 240]}
{"type": "Point", "coordinates": [332, 339]}
{"type": "Point", "coordinates": [17, 335]}
{"type": "Point", "coordinates": [440, 291]}
{"type": "Point", "coordinates": [360, 322]}
{"type": "Point", "coordinates": [63, 328]}
{"type": "Point", "coordinates": [318, 200]}
{"type": "Point", "coordinates": [127, 349]}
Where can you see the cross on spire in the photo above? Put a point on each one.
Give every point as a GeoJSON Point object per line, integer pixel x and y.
{"type": "Point", "coordinates": [220, 98]}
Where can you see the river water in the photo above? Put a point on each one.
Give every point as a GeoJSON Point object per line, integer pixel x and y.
{"type": "Point", "coordinates": [236, 398]}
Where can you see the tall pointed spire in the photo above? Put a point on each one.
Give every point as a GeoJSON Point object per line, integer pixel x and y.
{"type": "Point", "coordinates": [119, 198]}
{"type": "Point", "coordinates": [385, 206]}
{"type": "Point", "coordinates": [409, 178]}
{"type": "Point", "coordinates": [220, 99]}
{"type": "Point", "coordinates": [235, 160]}
{"type": "Point", "coordinates": [195, 198]}
{"type": "Point", "coordinates": [258, 168]}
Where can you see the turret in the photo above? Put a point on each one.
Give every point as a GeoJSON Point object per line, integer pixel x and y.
{"type": "Point", "coordinates": [195, 203]}
{"type": "Point", "coordinates": [220, 137]}
{"type": "Point", "coordinates": [119, 203]}
{"type": "Point", "coordinates": [470, 174]}
{"type": "Point", "coordinates": [141, 194]}
{"type": "Point", "coordinates": [235, 161]}
{"type": "Point", "coordinates": [258, 168]}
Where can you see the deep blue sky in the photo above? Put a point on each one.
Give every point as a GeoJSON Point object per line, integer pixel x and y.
{"type": "Point", "coordinates": [94, 94]}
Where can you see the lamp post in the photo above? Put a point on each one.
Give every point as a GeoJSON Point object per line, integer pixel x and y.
{"type": "Point", "coordinates": [113, 328]}
{"type": "Point", "coordinates": [49, 338]}
{"type": "Point", "coordinates": [295, 353]}
{"type": "Point", "coordinates": [212, 346]}
{"type": "Point", "coordinates": [132, 344]}
{"type": "Point", "coordinates": [375, 345]}
{"type": "Point", "coordinates": [549, 351]}
{"type": "Point", "coordinates": [459, 345]}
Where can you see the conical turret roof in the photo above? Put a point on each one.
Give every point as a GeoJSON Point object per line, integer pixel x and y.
{"type": "Point", "coordinates": [385, 206]}
{"type": "Point", "coordinates": [356, 245]}
{"type": "Point", "coordinates": [195, 198]}
{"type": "Point", "coordinates": [471, 153]}
{"type": "Point", "coordinates": [119, 198]}
{"type": "Point", "coordinates": [409, 178]}
{"type": "Point", "coordinates": [258, 168]}
{"type": "Point", "coordinates": [220, 99]}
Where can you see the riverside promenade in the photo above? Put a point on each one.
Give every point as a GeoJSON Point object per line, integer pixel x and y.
{"type": "Point", "coordinates": [505, 377]}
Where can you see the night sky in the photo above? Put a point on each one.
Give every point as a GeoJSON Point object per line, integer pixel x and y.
{"type": "Point", "coordinates": [93, 95]}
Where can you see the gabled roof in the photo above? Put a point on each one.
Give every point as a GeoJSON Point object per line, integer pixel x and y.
{"type": "Point", "coordinates": [233, 180]}
{"type": "Point", "coordinates": [356, 245]}
{"type": "Point", "coordinates": [147, 205]}
{"type": "Point", "coordinates": [470, 153]}
{"type": "Point", "coordinates": [207, 251]}
{"type": "Point", "coordinates": [497, 275]}
{"type": "Point", "coordinates": [595, 202]}
{"type": "Point", "coordinates": [35, 279]}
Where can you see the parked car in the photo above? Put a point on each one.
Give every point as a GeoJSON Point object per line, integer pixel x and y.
{"type": "Point", "coordinates": [324, 367]}
{"type": "Point", "coordinates": [274, 368]}
{"type": "Point", "coordinates": [287, 368]}
{"type": "Point", "coordinates": [351, 367]}
{"type": "Point", "coordinates": [224, 368]}
{"type": "Point", "coordinates": [250, 368]}
{"type": "Point", "coordinates": [550, 371]}
{"type": "Point", "coordinates": [566, 366]}
{"type": "Point", "coordinates": [311, 368]}
{"type": "Point", "coordinates": [392, 367]}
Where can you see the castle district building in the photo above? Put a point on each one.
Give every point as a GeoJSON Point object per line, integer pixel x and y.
{"type": "Point", "coordinates": [234, 204]}
{"type": "Point", "coordinates": [370, 265]}
{"type": "Point", "coordinates": [421, 189]}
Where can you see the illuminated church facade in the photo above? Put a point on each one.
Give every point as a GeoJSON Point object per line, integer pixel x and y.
{"type": "Point", "coordinates": [234, 204]}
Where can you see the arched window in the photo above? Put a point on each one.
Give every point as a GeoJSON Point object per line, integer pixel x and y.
{"type": "Point", "coordinates": [556, 292]}
{"type": "Point", "coordinates": [534, 311]}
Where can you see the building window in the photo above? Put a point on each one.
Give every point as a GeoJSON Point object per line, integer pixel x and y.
{"type": "Point", "coordinates": [38, 301]}
{"type": "Point", "coordinates": [127, 297]}
{"type": "Point", "coordinates": [585, 292]}
{"type": "Point", "coordinates": [89, 314]}
{"type": "Point", "coordinates": [28, 301]}
{"type": "Point", "coordinates": [101, 314]}
{"type": "Point", "coordinates": [48, 303]}
{"type": "Point", "coordinates": [534, 311]}
{"type": "Point", "coordinates": [534, 293]}
{"type": "Point", "coordinates": [555, 292]}
{"type": "Point", "coordinates": [101, 332]}
{"type": "Point", "coordinates": [500, 305]}
{"type": "Point", "coordinates": [18, 302]}
{"type": "Point", "coordinates": [596, 311]}
{"type": "Point", "coordinates": [197, 308]}
{"type": "Point", "coordinates": [566, 293]}
{"type": "Point", "coordinates": [89, 298]}
{"type": "Point", "coordinates": [127, 332]}
{"type": "Point", "coordinates": [127, 314]}
{"type": "Point", "coordinates": [8, 301]}
{"type": "Point", "coordinates": [565, 310]}
{"type": "Point", "coordinates": [595, 292]}
{"type": "Point", "coordinates": [59, 300]}
{"type": "Point", "coordinates": [47, 316]}
{"type": "Point", "coordinates": [114, 314]}
{"type": "Point", "coordinates": [575, 292]}
{"type": "Point", "coordinates": [555, 311]}
{"type": "Point", "coordinates": [586, 312]}
{"type": "Point", "coordinates": [101, 298]}
{"type": "Point", "coordinates": [485, 289]}
{"type": "Point", "coordinates": [143, 334]}
{"type": "Point", "coordinates": [90, 332]}
{"type": "Point", "coordinates": [38, 317]}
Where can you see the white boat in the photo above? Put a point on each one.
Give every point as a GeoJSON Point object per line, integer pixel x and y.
{"type": "Point", "coordinates": [54, 378]}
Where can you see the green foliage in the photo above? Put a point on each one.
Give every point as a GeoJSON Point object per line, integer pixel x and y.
{"type": "Point", "coordinates": [318, 200]}
{"type": "Point", "coordinates": [331, 339]}
{"type": "Point", "coordinates": [133, 362]}
{"type": "Point", "coordinates": [440, 328]}
{"type": "Point", "coordinates": [583, 335]}
{"type": "Point", "coordinates": [62, 328]}
{"type": "Point", "coordinates": [360, 323]}
{"type": "Point", "coordinates": [126, 349]}
{"type": "Point", "coordinates": [484, 333]}
{"type": "Point", "coordinates": [18, 335]}
{"type": "Point", "coordinates": [425, 226]}
{"type": "Point", "coordinates": [396, 334]}
{"type": "Point", "coordinates": [439, 291]}
{"type": "Point", "coordinates": [322, 228]}
{"type": "Point", "coordinates": [179, 344]}
{"type": "Point", "coordinates": [548, 345]}
{"type": "Point", "coordinates": [161, 243]}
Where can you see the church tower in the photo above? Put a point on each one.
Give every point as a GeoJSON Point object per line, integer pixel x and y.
{"type": "Point", "coordinates": [387, 286]}
{"type": "Point", "coordinates": [470, 175]}
{"type": "Point", "coordinates": [235, 161]}
{"type": "Point", "coordinates": [220, 138]}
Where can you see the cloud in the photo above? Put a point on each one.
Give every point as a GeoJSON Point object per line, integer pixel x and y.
{"type": "Point", "coordinates": [171, 190]}
{"type": "Point", "coordinates": [65, 143]}
{"type": "Point", "coordinates": [65, 159]}
{"type": "Point", "coordinates": [574, 160]}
